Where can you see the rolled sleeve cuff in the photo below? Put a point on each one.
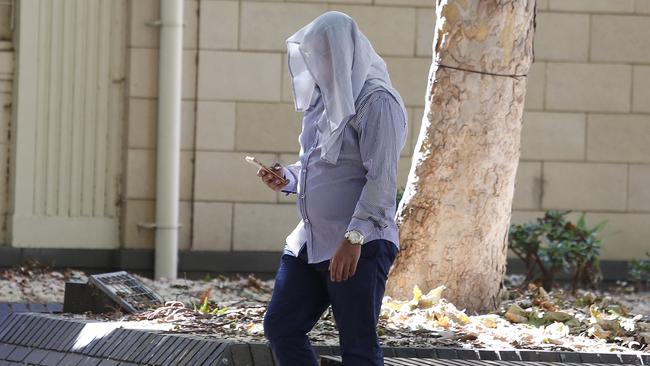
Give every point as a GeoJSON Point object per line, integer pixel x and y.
{"type": "Point", "coordinates": [365, 227]}
{"type": "Point", "coordinates": [293, 182]}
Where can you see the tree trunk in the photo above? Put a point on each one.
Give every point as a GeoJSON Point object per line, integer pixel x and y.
{"type": "Point", "coordinates": [455, 212]}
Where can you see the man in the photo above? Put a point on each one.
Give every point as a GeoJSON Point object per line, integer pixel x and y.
{"type": "Point", "coordinates": [353, 131]}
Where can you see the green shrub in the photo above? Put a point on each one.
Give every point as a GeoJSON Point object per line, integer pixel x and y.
{"type": "Point", "coordinates": [552, 244]}
{"type": "Point", "coordinates": [639, 270]}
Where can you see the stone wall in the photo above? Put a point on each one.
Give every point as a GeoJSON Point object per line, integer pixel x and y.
{"type": "Point", "coordinates": [586, 126]}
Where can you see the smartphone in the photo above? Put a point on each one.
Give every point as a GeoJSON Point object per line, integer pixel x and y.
{"type": "Point", "coordinates": [254, 161]}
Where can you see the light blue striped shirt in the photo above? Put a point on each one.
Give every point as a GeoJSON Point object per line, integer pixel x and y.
{"type": "Point", "coordinates": [358, 192]}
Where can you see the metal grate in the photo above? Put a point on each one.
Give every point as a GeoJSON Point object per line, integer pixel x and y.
{"type": "Point", "coordinates": [129, 292]}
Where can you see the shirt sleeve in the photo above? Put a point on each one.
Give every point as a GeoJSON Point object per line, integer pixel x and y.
{"type": "Point", "coordinates": [291, 173]}
{"type": "Point", "coordinates": [382, 134]}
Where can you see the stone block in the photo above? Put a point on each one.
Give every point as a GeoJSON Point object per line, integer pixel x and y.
{"type": "Point", "coordinates": [403, 169]}
{"type": "Point", "coordinates": [391, 30]}
{"type": "Point", "coordinates": [219, 25]}
{"type": "Point", "coordinates": [588, 87]}
{"type": "Point", "coordinates": [535, 86]}
{"type": "Point", "coordinates": [620, 38]}
{"type": "Point", "coordinates": [593, 6]}
{"type": "Point", "coordinates": [223, 176]}
{"type": "Point", "coordinates": [141, 174]}
{"type": "Point", "coordinates": [287, 90]}
{"type": "Point", "coordinates": [265, 26]}
{"type": "Point", "coordinates": [642, 6]}
{"type": "Point", "coordinates": [618, 137]}
{"type": "Point", "coordinates": [135, 213]}
{"type": "Point", "coordinates": [143, 74]}
{"type": "Point", "coordinates": [215, 125]}
{"type": "Point", "coordinates": [562, 37]}
{"type": "Point", "coordinates": [212, 226]}
{"type": "Point", "coordinates": [416, 116]}
{"type": "Point", "coordinates": [625, 236]}
{"type": "Point", "coordinates": [639, 190]}
{"type": "Point", "coordinates": [409, 76]}
{"type": "Point", "coordinates": [185, 222]}
{"type": "Point", "coordinates": [553, 136]}
{"type": "Point", "coordinates": [584, 186]}
{"type": "Point", "coordinates": [426, 22]}
{"type": "Point", "coordinates": [263, 227]}
{"type": "Point", "coordinates": [144, 12]}
{"type": "Point", "coordinates": [142, 122]}
{"type": "Point", "coordinates": [641, 88]}
{"type": "Point", "coordinates": [523, 216]}
{"type": "Point", "coordinates": [244, 76]}
{"type": "Point", "coordinates": [267, 127]}
{"type": "Point", "coordinates": [528, 186]}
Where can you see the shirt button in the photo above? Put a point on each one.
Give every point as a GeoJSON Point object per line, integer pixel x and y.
{"type": "Point", "coordinates": [302, 196]}
{"type": "Point", "coordinates": [306, 221]}
{"type": "Point", "coordinates": [304, 170]}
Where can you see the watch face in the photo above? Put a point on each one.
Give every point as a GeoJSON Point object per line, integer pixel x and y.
{"type": "Point", "coordinates": [355, 237]}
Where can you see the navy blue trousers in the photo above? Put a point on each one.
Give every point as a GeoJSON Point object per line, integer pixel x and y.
{"type": "Point", "coordinates": [303, 292]}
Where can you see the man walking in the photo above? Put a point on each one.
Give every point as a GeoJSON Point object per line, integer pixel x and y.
{"type": "Point", "coordinates": [353, 130]}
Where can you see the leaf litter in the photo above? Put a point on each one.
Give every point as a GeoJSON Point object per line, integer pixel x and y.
{"type": "Point", "coordinates": [529, 318]}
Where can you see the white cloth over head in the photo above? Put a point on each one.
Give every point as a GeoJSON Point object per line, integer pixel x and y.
{"type": "Point", "coordinates": [330, 55]}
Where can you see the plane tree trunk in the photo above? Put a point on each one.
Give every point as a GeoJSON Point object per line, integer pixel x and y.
{"type": "Point", "coordinates": [455, 212]}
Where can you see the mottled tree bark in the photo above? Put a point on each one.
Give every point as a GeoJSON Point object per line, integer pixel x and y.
{"type": "Point", "coordinates": [455, 212]}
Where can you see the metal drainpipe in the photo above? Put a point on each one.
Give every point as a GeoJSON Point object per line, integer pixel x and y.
{"type": "Point", "coordinates": [169, 138]}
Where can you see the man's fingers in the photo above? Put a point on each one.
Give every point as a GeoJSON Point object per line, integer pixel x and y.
{"type": "Point", "coordinates": [333, 264]}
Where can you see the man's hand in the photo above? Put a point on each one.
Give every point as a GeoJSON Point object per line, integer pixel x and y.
{"type": "Point", "coordinates": [272, 182]}
{"type": "Point", "coordinates": [344, 262]}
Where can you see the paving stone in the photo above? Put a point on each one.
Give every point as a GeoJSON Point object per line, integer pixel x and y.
{"type": "Point", "coordinates": [404, 352]}
{"type": "Point", "coordinates": [609, 358]}
{"type": "Point", "coordinates": [62, 326]}
{"type": "Point", "coordinates": [55, 308]}
{"type": "Point", "coordinates": [261, 354]}
{"type": "Point", "coordinates": [216, 354]}
{"type": "Point", "coordinates": [49, 328]}
{"type": "Point", "coordinates": [71, 337]}
{"type": "Point", "coordinates": [107, 343]}
{"type": "Point", "coordinates": [108, 363]}
{"type": "Point", "coordinates": [180, 350]}
{"type": "Point", "coordinates": [429, 353]}
{"type": "Point", "coordinates": [37, 308]}
{"type": "Point", "coordinates": [509, 356]}
{"type": "Point", "coordinates": [52, 358]}
{"type": "Point", "coordinates": [155, 347]}
{"type": "Point", "coordinates": [170, 347]}
{"type": "Point", "coordinates": [138, 346]}
{"type": "Point", "coordinates": [190, 350]}
{"type": "Point", "coordinates": [547, 356]}
{"type": "Point", "coordinates": [143, 349]}
{"type": "Point", "coordinates": [72, 359]}
{"type": "Point", "coordinates": [198, 352]}
{"type": "Point", "coordinates": [129, 343]}
{"type": "Point", "coordinates": [35, 356]}
{"type": "Point", "coordinates": [90, 361]}
{"type": "Point", "coordinates": [528, 355]}
{"type": "Point", "coordinates": [589, 357]}
{"type": "Point", "coordinates": [489, 355]}
{"type": "Point", "coordinates": [119, 341]}
{"type": "Point", "coordinates": [569, 357]}
{"type": "Point", "coordinates": [8, 327]}
{"type": "Point", "coordinates": [23, 326]}
{"type": "Point", "coordinates": [19, 308]}
{"type": "Point", "coordinates": [241, 354]}
{"type": "Point", "coordinates": [448, 353]}
{"type": "Point", "coordinates": [18, 354]}
{"type": "Point", "coordinates": [630, 359]}
{"type": "Point", "coordinates": [5, 350]}
{"type": "Point", "coordinates": [32, 332]}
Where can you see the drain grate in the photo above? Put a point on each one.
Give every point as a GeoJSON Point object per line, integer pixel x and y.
{"type": "Point", "coordinates": [129, 292]}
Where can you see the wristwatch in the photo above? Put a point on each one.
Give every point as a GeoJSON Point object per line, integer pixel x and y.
{"type": "Point", "coordinates": [354, 237]}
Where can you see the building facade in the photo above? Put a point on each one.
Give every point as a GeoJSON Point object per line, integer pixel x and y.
{"type": "Point", "coordinates": [78, 89]}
